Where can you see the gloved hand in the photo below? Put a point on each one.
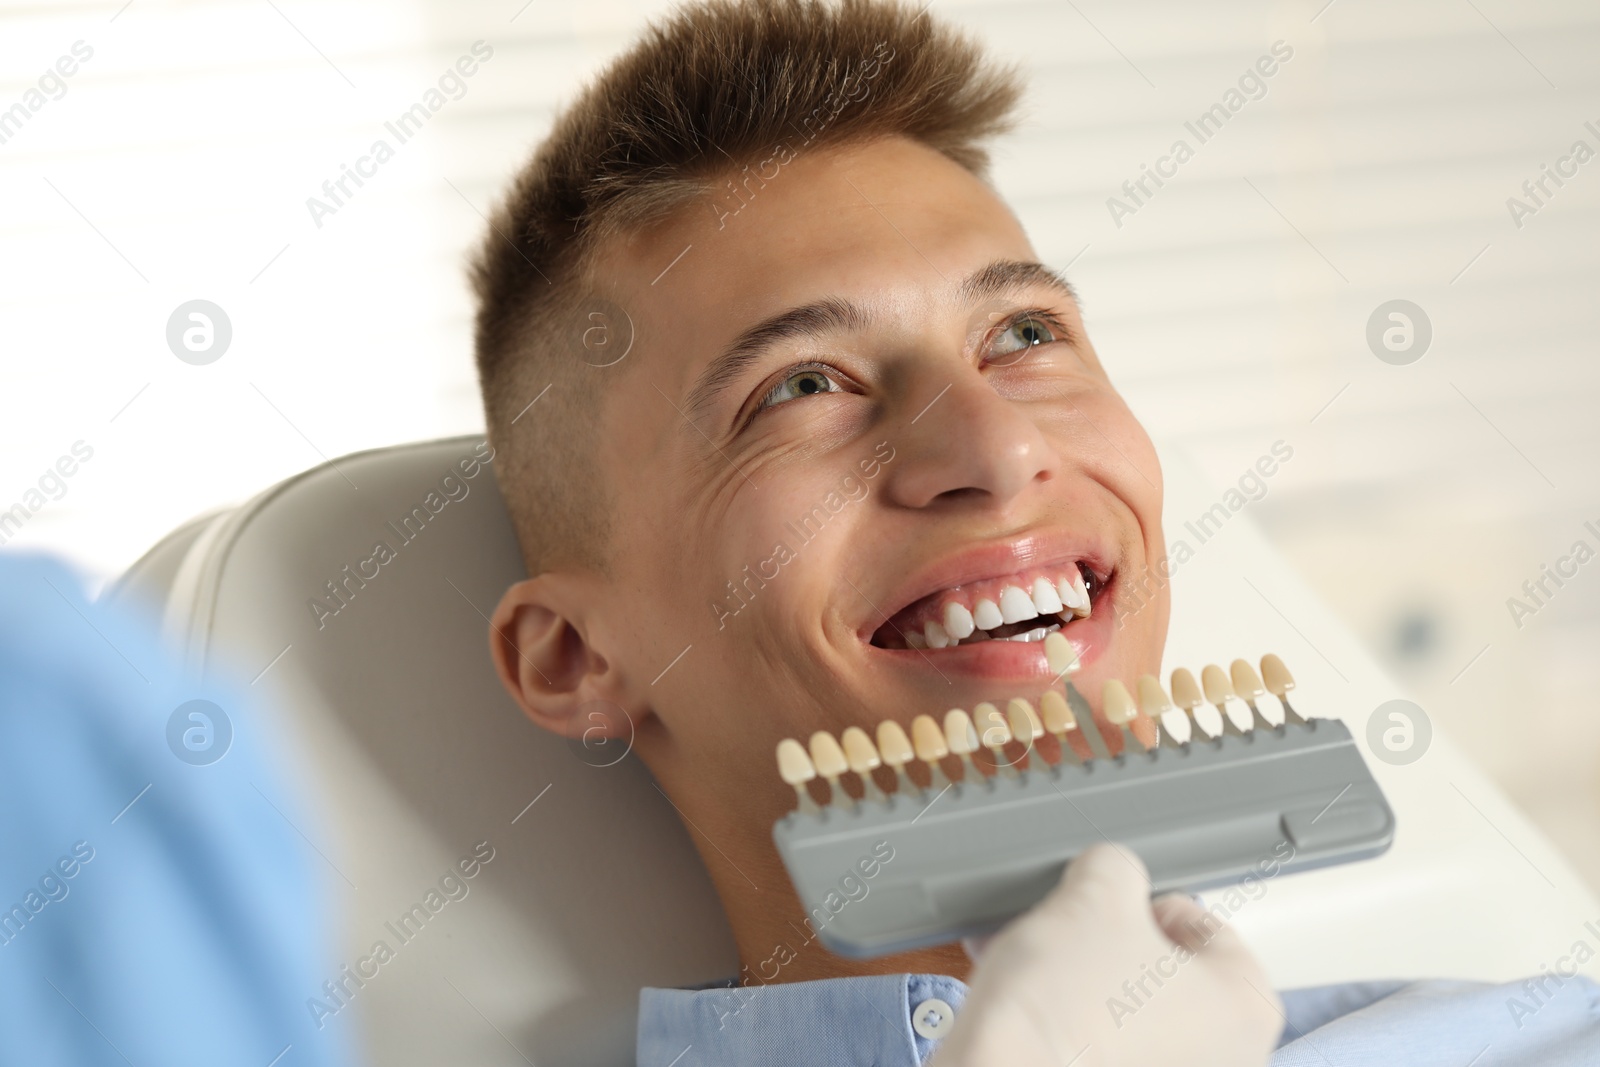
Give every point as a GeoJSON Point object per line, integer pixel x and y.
{"type": "Point", "coordinates": [1049, 989]}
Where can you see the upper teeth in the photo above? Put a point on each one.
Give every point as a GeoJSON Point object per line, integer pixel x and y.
{"type": "Point", "coordinates": [958, 620]}
{"type": "Point", "coordinates": [1066, 597]}
{"type": "Point", "coordinates": [1045, 597]}
{"type": "Point", "coordinates": [987, 615]}
{"type": "Point", "coordinates": [1015, 605]}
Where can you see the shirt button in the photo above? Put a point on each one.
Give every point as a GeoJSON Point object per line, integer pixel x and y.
{"type": "Point", "coordinates": [933, 1018]}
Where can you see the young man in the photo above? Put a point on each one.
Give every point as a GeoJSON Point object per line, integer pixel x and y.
{"type": "Point", "coordinates": [809, 413]}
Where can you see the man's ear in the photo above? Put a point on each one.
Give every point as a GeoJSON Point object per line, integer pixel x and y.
{"type": "Point", "coordinates": [539, 641]}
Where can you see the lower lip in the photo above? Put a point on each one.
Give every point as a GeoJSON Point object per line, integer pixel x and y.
{"type": "Point", "coordinates": [1021, 661]}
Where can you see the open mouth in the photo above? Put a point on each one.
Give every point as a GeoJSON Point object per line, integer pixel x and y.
{"type": "Point", "coordinates": [1021, 607]}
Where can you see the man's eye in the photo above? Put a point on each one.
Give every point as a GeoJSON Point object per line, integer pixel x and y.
{"type": "Point", "coordinates": [806, 381]}
{"type": "Point", "coordinates": [1022, 334]}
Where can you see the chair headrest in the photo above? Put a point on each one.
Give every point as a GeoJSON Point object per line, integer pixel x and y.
{"type": "Point", "coordinates": [357, 595]}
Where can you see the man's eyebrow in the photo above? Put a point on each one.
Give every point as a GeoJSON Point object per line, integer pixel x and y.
{"type": "Point", "coordinates": [1008, 275]}
{"type": "Point", "coordinates": [834, 314]}
{"type": "Point", "coordinates": [829, 315]}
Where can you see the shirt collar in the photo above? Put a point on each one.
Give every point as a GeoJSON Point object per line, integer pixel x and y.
{"type": "Point", "coordinates": [833, 1022]}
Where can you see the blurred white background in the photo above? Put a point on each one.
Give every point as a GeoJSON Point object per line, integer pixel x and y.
{"type": "Point", "coordinates": [1232, 306]}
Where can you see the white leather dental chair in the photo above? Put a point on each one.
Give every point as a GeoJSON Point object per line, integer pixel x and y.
{"type": "Point", "coordinates": [412, 753]}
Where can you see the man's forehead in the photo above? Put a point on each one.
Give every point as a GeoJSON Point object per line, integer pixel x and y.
{"type": "Point", "coordinates": [885, 223]}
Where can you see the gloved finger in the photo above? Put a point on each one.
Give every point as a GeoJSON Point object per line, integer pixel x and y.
{"type": "Point", "coordinates": [1199, 930]}
{"type": "Point", "coordinates": [1107, 876]}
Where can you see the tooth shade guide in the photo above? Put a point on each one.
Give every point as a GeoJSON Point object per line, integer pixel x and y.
{"type": "Point", "coordinates": [1276, 677]}
{"type": "Point", "coordinates": [1058, 722]}
{"type": "Point", "coordinates": [1025, 728]}
{"type": "Point", "coordinates": [929, 742]}
{"type": "Point", "coordinates": [993, 733]}
{"type": "Point", "coordinates": [962, 741]}
{"type": "Point", "coordinates": [829, 760]}
{"type": "Point", "coordinates": [1177, 729]}
{"type": "Point", "coordinates": [894, 748]}
{"type": "Point", "coordinates": [1089, 724]}
{"type": "Point", "coordinates": [1059, 654]}
{"type": "Point", "coordinates": [1154, 706]}
{"type": "Point", "coordinates": [1125, 724]}
{"type": "Point", "coordinates": [795, 767]}
{"type": "Point", "coordinates": [1218, 688]}
{"type": "Point", "coordinates": [1199, 816]}
{"type": "Point", "coordinates": [862, 755]}
{"type": "Point", "coordinates": [1247, 684]}
{"type": "Point", "coordinates": [1116, 704]}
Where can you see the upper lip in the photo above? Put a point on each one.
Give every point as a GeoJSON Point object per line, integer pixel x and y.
{"type": "Point", "coordinates": [994, 559]}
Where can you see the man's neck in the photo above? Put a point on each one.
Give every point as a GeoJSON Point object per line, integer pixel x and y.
{"type": "Point", "coordinates": [776, 938]}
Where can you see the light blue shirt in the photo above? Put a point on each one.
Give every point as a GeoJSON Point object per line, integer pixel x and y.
{"type": "Point", "coordinates": [871, 1022]}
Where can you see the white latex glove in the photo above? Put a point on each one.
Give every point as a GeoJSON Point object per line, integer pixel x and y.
{"type": "Point", "coordinates": [1043, 988]}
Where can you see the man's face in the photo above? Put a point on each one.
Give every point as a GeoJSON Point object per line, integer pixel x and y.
{"type": "Point", "coordinates": [854, 409]}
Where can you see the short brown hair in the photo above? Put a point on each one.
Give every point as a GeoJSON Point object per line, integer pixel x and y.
{"type": "Point", "coordinates": [718, 81]}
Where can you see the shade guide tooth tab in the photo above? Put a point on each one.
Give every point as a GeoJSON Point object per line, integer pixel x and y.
{"type": "Point", "coordinates": [1157, 706]}
{"type": "Point", "coordinates": [862, 755]}
{"type": "Point", "coordinates": [928, 740]}
{"type": "Point", "coordinates": [1059, 654]}
{"type": "Point", "coordinates": [962, 741]}
{"type": "Point", "coordinates": [1275, 676]}
{"type": "Point", "coordinates": [1087, 726]}
{"type": "Point", "coordinates": [1153, 699]}
{"type": "Point", "coordinates": [795, 767]}
{"type": "Point", "coordinates": [895, 750]}
{"type": "Point", "coordinates": [1116, 704]}
{"type": "Point", "coordinates": [859, 751]}
{"type": "Point", "coordinates": [1185, 690]}
{"type": "Point", "coordinates": [1186, 694]}
{"type": "Point", "coordinates": [964, 864]}
{"type": "Point", "coordinates": [993, 733]}
{"type": "Point", "coordinates": [1024, 722]}
{"type": "Point", "coordinates": [1248, 685]}
{"type": "Point", "coordinates": [1059, 722]}
{"type": "Point", "coordinates": [1278, 681]}
{"type": "Point", "coordinates": [1219, 690]}
{"type": "Point", "coordinates": [1177, 729]}
{"type": "Point", "coordinates": [830, 763]}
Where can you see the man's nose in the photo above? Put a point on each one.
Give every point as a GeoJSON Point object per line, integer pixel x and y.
{"type": "Point", "coordinates": [968, 444]}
